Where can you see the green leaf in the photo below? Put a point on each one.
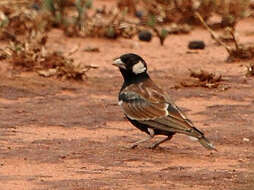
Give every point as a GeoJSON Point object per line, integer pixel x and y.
{"type": "Point", "coordinates": [89, 4]}
{"type": "Point", "coordinates": [49, 5]}
{"type": "Point", "coordinates": [164, 33]}
{"type": "Point", "coordinates": [151, 20]}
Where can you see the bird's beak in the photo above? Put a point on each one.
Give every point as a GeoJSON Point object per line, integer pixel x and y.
{"type": "Point", "coordinates": [118, 62]}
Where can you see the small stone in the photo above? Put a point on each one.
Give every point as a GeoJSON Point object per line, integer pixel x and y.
{"type": "Point", "coordinates": [145, 35]}
{"type": "Point", "coordinates": [47, 73]}
{"type": "Point", "coordinates": [35, 6]}
{"type": "Point", "coordinates": [139, 14]}
{"type": "Point", "coordinates": [246, 140]}
{"type": "Point", "coordinates": [62, 157]}
{"type": "Point", "coordinates": [196, 44]}
{"type": "Point", "coordinates": [92, 49]}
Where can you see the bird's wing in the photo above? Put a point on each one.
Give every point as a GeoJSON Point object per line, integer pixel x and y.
{"type": "Point", "coordinates": [148, 104]}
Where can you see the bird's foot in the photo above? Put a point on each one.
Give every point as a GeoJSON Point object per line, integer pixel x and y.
{"type": "Point", "coordinates": [153, 146]}
{"type": "Point", "coordinates": [156, 144]}
{"type": "Point", "coordinates": [132, 146]}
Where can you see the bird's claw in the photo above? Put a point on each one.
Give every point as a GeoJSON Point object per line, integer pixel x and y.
{"type": "Point", "coordinates": [153, 146]}
{"type": "Point", "coordinates": [132, 146]}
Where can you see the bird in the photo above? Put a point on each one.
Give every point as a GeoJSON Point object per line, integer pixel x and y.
{"type": "Point", "coordinates": [149, 108]}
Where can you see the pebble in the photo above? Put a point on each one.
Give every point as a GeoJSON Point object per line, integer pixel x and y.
{"type": "Point", "coordinates": [145, 35]}
{"type": "Point", "coordinates": [246, 140]}
{"type": "Point", "coordinates": [196, 44]}
{"type": "Point", "coordinates": [139, 14]}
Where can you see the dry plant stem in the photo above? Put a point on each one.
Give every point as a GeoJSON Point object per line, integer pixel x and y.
{"type": "Point", "coordinates": [158, 34]}
{"type": "Point", "coordinates": [234, 39]}
{"type": "Point", "coordinates": [112, 20]}
{"type": "Point", "coordinates": [229, 50]}
{"type": "Point", "coordinates": [75, 50]}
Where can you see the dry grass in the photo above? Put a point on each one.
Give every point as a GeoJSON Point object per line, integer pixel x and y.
{"type": "Point", "coordinates": [205, 79]}
{"type": "Point", "coordinates": [22, 21]}
{"type": "Point", "coordinates": [236, 53]}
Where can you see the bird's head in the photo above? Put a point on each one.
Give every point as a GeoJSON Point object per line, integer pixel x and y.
{"type": "Point", "coordinates": [131, 66]}
{"type": "Point", "coordinates": [131, 63]}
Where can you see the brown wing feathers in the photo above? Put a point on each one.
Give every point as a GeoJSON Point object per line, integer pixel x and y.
{"type": "Point", "coordinates": [143, 111]}
{"type": "Point", "coordinates": [150, 105]}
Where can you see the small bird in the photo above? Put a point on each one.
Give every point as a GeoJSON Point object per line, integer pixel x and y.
{"type": "Point", "coordinates": [148, 107]}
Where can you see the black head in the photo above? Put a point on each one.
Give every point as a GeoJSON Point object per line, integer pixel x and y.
{"type": "Point", "coordinates": [131, 66]}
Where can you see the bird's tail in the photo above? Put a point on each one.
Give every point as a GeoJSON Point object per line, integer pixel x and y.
{"type": "Point", "coordinates": [206, 143]}
{"type": "Point", "coordinates": [202, 139]}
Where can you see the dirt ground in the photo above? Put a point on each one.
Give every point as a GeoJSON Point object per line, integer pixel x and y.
{"type": "Point", "coordinates": [71, 135]}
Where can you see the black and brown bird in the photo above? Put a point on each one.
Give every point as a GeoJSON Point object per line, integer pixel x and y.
{"type": "Point", "coordinates": [148, 107]}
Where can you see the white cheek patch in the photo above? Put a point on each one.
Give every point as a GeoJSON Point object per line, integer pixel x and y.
{"type": "Point", "coordinates": [139, 68]}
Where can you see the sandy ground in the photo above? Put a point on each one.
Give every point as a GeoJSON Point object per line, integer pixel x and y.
{"type": "Point", "coordinates": [71, 135]}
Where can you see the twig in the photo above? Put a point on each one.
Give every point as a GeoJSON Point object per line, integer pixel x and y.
{"type": "Point", "coordinates": [234, 38]}
{"type": "Point", "coordinates": [213, 34]}
{"type": "Point", "coordinates": [73, 51]}
{"type": "Point", "coordinates": [4, 51]}
{"type": "Point", "coordinates": [158, 34]}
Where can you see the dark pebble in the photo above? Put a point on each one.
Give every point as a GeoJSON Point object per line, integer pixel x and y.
{"type": "Point", "coordinates": [145, 35]}
{"type": "Point", "coordinates": [139, 14]}
{"type": "Point", "coordinates": [196, 44]}
{"type": "Point", "coordinates": [35, 6]}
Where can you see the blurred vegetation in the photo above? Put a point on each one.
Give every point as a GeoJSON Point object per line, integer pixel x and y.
{"type": "Point", "coordinates": [24, 21]}
{"type": "Point", "coordinates": [183, 11]}
{"type": "Point", "coordinates": [80, 18]}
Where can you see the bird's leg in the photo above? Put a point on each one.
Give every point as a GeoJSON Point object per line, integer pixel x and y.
{"type": "Point", "coordinates": [151, 135]}
{"type": "Point", "coordinates": [134, 145]}
{"type": "Point", "coordinates": [154, 145]}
